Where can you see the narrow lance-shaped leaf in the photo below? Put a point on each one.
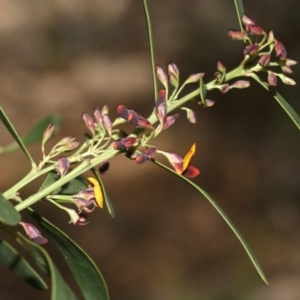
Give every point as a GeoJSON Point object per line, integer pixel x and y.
{"type": "Point", "coordinates": [240, 12]}
{"type": "Point", "coordinates": [106, 197]}
{"type": "Point", "coordinates": [84, 270]}
{"type": "Point", "coordinates": [15, 135]}
{"type": "Point", "coordinates": [20, 266]}
{"type": "Point", "coordinates": [282, 102]}
{"type": "Point", "coordinates": [8, 214]}
{"type": "Point", "coordinates": [225, 218]}
{"type": "Point", "coordinates": [60, 289]}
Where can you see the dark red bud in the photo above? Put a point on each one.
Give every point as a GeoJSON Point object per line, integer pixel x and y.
{"type": "Point", "coordinates": [272, 79]}
{"type": "Point", "coordinates": [280, 50]}
{"type": "Point", "coordinates": [224, 88]}
{"type": "Point", "coordinates": [251, 49]}
{"type": "Point", "coordinates": [236, 35]}
{"type": "Point", "coordinates": [255, 29]}
{"type": "Point", "coordinates": [247, 21]}
{"type": "Point", "coordinates": [104, 166]}
{"type": "Point", "coordinates": [264, 60]}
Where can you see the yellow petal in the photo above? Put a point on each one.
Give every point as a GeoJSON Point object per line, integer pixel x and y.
{"type": "Point", "coordinates": [97, 191]}
{"type": "Point", "coordinates": [188, 157]}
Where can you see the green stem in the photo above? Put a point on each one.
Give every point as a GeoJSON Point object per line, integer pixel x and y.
{"type": "Point", "coordinates": [151, 47]}
{"type": "Point", "coordinates": [106, 155]}
{"type": "Point", "coordinates": [80, 169]}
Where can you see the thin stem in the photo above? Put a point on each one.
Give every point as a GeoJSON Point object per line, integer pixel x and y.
{"type": "Point", "coordinates": [150, 37]}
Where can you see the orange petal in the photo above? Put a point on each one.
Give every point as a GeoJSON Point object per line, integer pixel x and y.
{"type": "Point", "coordinates": [97, 191]}
{"type": "Point", "coordinates": [188, 157]}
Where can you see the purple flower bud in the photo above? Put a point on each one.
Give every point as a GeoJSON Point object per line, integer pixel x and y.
{"type": "Point", "coordinates": [286, 69]}
{"type": "Point", "coordinates": [236, 35]}
{"type": "Point", "coordinates": [209, 103]}
{"type": "Point", "coordinates": [161, 75]}
{"type": "Point", "coordinates": [123, 112]}
{"type": "Point", "coordinates": [247, 21]}
{"type": "Point", "coordinates": [264, 60]}
{"type": "Point", "coordinates": [195, 77]}
{"type": "Point", "coordinates": [220, 67]}
{"type": "Point", "coordinates": [255, 29]}
{"type": "Point", "coordinates": [240, 84]}
{"type": "Point", "coordinates": [71, 146]}
{"type": "Point", "coordinates": [173, 69]}
{"type": "Point", "coordinates": [62, 167]}
{"type": "Point", "coordinates": [107, 124]}
{"type": "Point", "coordinates": [33, 233]}
{"type": "Point", "coordinates": [161, 106]}
{"type": "Point", "coordinates": [170, 120]}
{"type": "Point", "coordinates": [128, 141]}
{"type": "Point", "coordinates": [103, 168]}
{"type": "Point", "coordinates": [150, 152]}
{"type": "Point", "coordinates": [191, 116]}
{"type": "Point", "coordinates": [48, 133]}
{"type": "Point", "coordinates": [280, 50]}
{"type": "Point", "coordinates": [89, 122]}
{"type": "Point", "coordinates": [173, 72]}
{"type": "Point", "coordinates": [251, 49]}
{"type": "Point", "coordinates": [224, 88]}
{"type": "Point", "coordinates": [217, 75]}
{"type": "Point", "coordinates": [98, 116]}
{"type": "Point", "coordinates": [84, 205]}
{"type": "Point", "coordinates": [272, 79]}
{"type": "Point", "coordinates": [66, 140]}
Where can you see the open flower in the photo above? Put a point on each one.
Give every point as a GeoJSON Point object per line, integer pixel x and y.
{"type": "Point", "coordinates": [182, 165]}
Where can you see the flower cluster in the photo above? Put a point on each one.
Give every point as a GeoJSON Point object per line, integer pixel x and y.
{"type": "Point", "coordinates": [264, 49]}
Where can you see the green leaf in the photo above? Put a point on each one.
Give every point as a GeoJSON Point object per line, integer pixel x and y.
{"type": "Point", "coordinates": [8, 214]}
{"type": "Point", "coordinates": [240, 12]}
{"type": "Point", "coordinates": [35, 134]}
{"type": "Point", "coordinates": [19, 265]}
{"type": "Point", "coordinates": [225, 218]}
{"type": "Point", "coordinates": [60, 289]}
{"type": "Point", "coordinates": [84, 270]}
{"type": "Point", "coordinates": [15, 135]}
{"type": "Point", "coordinates": [282, 102]}
{"type": "Point", "coordinates": [107, 199]}
{"type": "Point", "coordinates": [71, 188]}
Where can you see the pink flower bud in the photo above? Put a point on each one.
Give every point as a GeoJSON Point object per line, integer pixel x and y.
{"type": "Point", "coordinates": [240, 84]}
{"type": "Point", "coordinates": [255, 29]}
{"type": "Point", "coordinates": [272, 79]}
{"type": "Point", "coordinates": [161, 75]}
{"type": "Point", "coordinates": [89, 123]}
{"type": "Point", "coordinates": [264, 60]}
{"type": "Point", "coordinates": [220, 67]}
{"type": "Point", "coordinates": [280, 50]}
{"type": "Point", "coordinates": [98, 116]}
{"type": "Point", "coordinates": [48, 133]}
{"type": "Point", "coordinates": [62, 167]}
{"type": "Point", "coordinates": [236, 35]}
{"type": "Point", "coordinates": [247, 21]}
{"type": "Point", "coordinates": [251, 49]}
{"type": "Point", "coordinates": [33, 233]}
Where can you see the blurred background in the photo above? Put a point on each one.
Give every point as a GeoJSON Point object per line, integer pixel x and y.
{"type": "Point", "coordinates": [167, 242]}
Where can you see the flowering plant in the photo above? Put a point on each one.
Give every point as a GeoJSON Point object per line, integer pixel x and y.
{"type": "Point", "coordinates": [68, 161]}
